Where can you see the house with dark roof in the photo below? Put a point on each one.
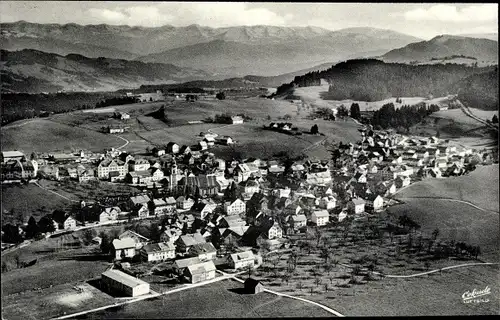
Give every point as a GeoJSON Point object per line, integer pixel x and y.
{"type": "Point", "coordinates": [204, 251]}
{"type": "Point", "coordinates": [158, 251]}
{"type": "Point", "coordinates": [253, 286]}
{"type": "Point", "coordinates": [185, 242]}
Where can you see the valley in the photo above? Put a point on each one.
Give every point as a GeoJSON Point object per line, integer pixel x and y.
{"type": "Point", "coordinates": [235, 160]}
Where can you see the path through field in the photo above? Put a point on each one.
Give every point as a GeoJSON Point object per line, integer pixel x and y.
{"type": "Point", "coordinates": [336, 313]}
{"type": "Point", "coordinates": [58, 194]}
{"type": "Point", "coordinates": [450, 199]}
{"type": "Point", "coordinates": [124, 145]}
{"type": "Point", "coordinates": [427, 272]}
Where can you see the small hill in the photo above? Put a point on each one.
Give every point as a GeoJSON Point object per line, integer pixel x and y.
{"type": "Point", "coordinates": [36, 71]}
{"type": "Point", "coordinates": [490, 36]}
{"type": "Point", "coordinates": [482, 50]}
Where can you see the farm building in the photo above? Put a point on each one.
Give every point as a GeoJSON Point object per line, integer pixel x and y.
{"type": "Point", "coordinates": [240, 260]}
{"type": "Point", "coordinates": [200, 272]}
{"type": "Point", "coordinates": [123, 284]}
{"type": "Point", "coordinates": [115, 130]}
{"type": "Point", "coordinates": [253, 286]}
{"type": "Point", "coordinates": [12, 155]}
{"type": "Point", "coordinates": [237, 120]}
{"type": "Point", "coordinates": [124, 248]}
{"type": "Point", "coordinates": [138, 239]}
{"type": "Point", "coordinates": [172, 147]}
{"type": "Point", "coordinates": [204, 251]}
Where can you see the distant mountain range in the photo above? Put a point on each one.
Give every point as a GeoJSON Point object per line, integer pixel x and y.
{"type": "Point", "coordinates": [36, 71]}
{"type": "Point", "coordinates": [229, 52]}
{"type": "Point", "coordinates": [445, 48]}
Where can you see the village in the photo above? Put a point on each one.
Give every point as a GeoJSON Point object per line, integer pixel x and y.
{"type": "Point", "coordinates": [219, 214]}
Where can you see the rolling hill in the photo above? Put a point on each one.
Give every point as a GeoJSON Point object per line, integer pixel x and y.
{"type": "Point", "coordinates": [36, 71]}
{"type": "Point", "coordinates": [479, 90]}
{"type": "Point", "coordinates": [446, 48]}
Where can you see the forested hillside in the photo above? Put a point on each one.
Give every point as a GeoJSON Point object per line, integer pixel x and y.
{"type": "Point", "coordinates": [479, 90]}
{"type": "Point", "coordinates": [374, 80]}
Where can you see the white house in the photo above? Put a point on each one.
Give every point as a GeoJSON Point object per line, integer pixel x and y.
{"type": "Point", "coordinates": [158, 251]}
{"type": "Point", "coordinates": [357, 205]}
{"type": "Point", "coordinates": [237, 119]}
{"type": "Point", "coordinates": [374, 201]}
{"type": "Point", "coordinates": [124, 248]}
{"type": "Point", "coordinates": [327, 202]}
{"type": "Point", "coordinates": [274, 232]}
{"type": "Point", "coordinates": [320, 217]}
{"type": "Point", "coordinates": [236, 207]}
{"type": "Point", "coordinates": [241, 260]}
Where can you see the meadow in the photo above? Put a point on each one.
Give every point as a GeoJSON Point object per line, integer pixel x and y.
{"type": "Point", "coordinates": [205, 302]}
{"type": "Point", "coordinates": [41, 135]}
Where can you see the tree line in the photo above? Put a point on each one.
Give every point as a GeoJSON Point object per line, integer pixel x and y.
{"type": "Point", "coordinates": [406, 116]}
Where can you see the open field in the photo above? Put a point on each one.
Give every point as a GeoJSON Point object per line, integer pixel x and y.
{"type": "Point", "coordinates": [53, 302]}
{"type": "Point", "coordinates": [480, 187]}
{"type": "Point", "coordinates": [53, 268]}
{"type": "Point", "coordinates": [43, 135]}
{"type": "Point", "coordinates": [215, 300]}
{"type": "Point", "coordinates": [457, 221]}
{"type": "Point", "coordinates": [28, 200]}
{"type": "Point", "coordinates": [435, 294]}
{"type": "Point", "coordinates": [313, 96]}
{"type": "Point", "coordinates": [458, 116]}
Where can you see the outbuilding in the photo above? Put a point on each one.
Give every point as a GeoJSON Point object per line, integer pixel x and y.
{"type": "Point", "coordinates": [120, 283]}
{"type": "Point", "coordinates": [253, 286]}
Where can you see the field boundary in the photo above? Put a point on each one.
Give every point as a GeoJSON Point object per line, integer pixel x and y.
{"type": "Point", "coordinates": [452, 200]}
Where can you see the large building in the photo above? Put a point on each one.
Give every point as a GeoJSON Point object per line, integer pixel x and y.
{"type": "Point", "coordinates": [12, 155]}
{"type": "Point", "coordinates": [108, 166]}
{"type": "Point", "coordinates": [120, 283]}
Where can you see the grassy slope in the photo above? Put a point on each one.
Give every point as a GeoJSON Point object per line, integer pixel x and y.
{"type": "Point", "coordinates": [44, 135]}
{"type": "Point", "coordinates": [436, 294]}
{"type": "Point", "coordinates": [479, 187]}
{"type": "Point", "coordinates": [470, 224]}
{"type": "Point", "coordinates": [206, 301]}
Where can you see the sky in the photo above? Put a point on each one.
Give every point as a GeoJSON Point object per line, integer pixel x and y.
{"type": "Point", "coordinates": [423, 20]}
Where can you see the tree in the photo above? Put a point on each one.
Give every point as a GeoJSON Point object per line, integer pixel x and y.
{"type": "Point", "coordinates": [105, 243]}
{"type": "Point", "coordinates": [314, 129]}
{"type": "Point", "coordinates": [342, 111]}
{"type": "Point", "coordinates": [300, 285]}
{"type": "Point", "coordinates": [32, 228]}
{"type": "Point", "coordinates": [88, 235]}
{"type": "Point", "coordinates": [317, 281]}
{"type": "Point", "coordinates": [355, 111]}
{"type": "Point", "coordinates": [494, 119]}
{"type": "Point", "coordinates": [435, 234]}
{"type": "Point", "coordinates": [221, 95]}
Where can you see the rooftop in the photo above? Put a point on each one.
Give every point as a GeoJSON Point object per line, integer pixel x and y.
{"type": "Point", "coordinates": [123, 278]}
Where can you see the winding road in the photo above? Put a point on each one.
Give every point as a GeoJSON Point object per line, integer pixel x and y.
{"type": "Point", "coordinates": [124, 145]}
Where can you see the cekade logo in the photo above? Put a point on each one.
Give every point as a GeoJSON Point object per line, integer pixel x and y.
{"type": "Point", "coordinates": [476, 295]}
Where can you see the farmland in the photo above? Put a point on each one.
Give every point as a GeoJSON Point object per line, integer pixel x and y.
{"type": "Point", "coordinates": [41, 135]}
{"type": "Point", "coordinates": [205, 301]}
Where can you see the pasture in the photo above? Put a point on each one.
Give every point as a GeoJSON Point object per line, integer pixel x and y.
{"type": "Point", "coordinates": [28, 200]}
{"type": "Point", "coordinates": [54, 301]}
{"type": "Point", "coordinates": [313, 97]}
{"type": "Point", "coordinates": [205, 302]}
{"type": "Point", "coordinates": [480, 187]}
{"type": "Point", "coordinates": [437, 294]}
{"type": "Point", "coordinates": [41, 135]}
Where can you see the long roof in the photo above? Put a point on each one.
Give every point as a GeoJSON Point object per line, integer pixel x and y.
{"type": "Point", "coordinates": [123, 278]}
{"type": "Point", "coordinates": [203, 181]}
{"type": "Point", "coordinates": [123, 243]}
{"type": "Point", "coordinates": [242, 256]}
{"type": "Point", "coordinates": [159, 247]}
{"type": "Point", "coordinates": [203, 267]}
{"type": "Point", "coordinates": [183, 263]}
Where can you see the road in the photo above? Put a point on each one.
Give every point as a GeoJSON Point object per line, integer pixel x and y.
{"type": "Point", "coordinates": [428, 272]}
{"type": "Point", "coordinates": [124, 145]}
{"type": "Point", "coordinates": [469, 113]}
{"type": "Point", "coordinates": [334, 312]}
{"type": "Point", "coordinates": [18, 125]}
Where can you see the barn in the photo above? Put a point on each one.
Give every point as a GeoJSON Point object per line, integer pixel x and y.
{"type": "Point", "coordinates": [122, 284]}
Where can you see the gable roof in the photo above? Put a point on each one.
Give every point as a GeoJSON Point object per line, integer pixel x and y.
{"type": "Point", "coordinates": [122, 277]}
{"type": "Point", "coordinates": [192, 239]}
{"type": "Point", "coordinates": [321, 213]}
{"type": "Point", "coordinates": [246, 255]}
{"type": "Point", "coordinates": [203, 248]}
{"type": "Point", "coordinates": [159, 247]}
{"type": "Point", "coordinates": [124, 243]}
{"type": "Point", "coordinates": [203, 267]}
{"type": "Point", "coordinates": [183, 263]}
